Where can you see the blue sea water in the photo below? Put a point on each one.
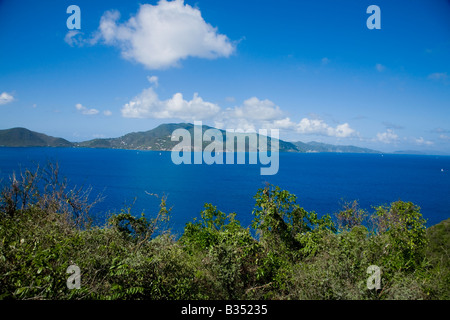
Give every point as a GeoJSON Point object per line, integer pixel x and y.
{"type": "Point", "coordinates": [321, 181]}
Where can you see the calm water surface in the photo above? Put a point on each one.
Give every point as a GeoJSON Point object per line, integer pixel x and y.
{"type": "Point", "coordinates": [321, 181]}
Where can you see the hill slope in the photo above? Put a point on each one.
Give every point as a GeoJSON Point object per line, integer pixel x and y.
{"type": "Point", "coordinates": [324, 147]}
{"type": "Point", "coordinates": [21, 137]}
{"type": "Point", "coordinates": [160, 139]}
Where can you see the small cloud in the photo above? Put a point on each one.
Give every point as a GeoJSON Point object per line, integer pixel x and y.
{"type": "Point", "coordinates": [257, 109]}
{"type": "Point", "coordinates": [387, 137]}
{"type": "Point", "coordinates": [85, 110]}
{"type": "Point", "coordinates": [153, 80]}
{"type": "Point", "coordinates": [148, 105]}
{"type": "Point", "coordinates": [380, 67]}
{"type": "Point", "coordinates": [107, 113]}
{"type": "Point", "coordinates": [230, 99]}
{"type": "Point", "coordinates": [421, 141]}
{"type": "Point", "coordinates": [319, 127]}
{"type": "Point", "coordinates": [6, 98]}
{"type": "Point", "coordinates": [439, 76]}
{"type": "Point", "coordinates": [34, 106]}
{"type": "Point", "coordinates": [74, 38]}
{"type": "Point", "coordinates": [444, 137]}
{"type": "Point", "coordinates": [325, 61]}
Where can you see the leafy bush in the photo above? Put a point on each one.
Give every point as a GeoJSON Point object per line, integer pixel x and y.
{"type": "Point", "coordinates": [45, 227]}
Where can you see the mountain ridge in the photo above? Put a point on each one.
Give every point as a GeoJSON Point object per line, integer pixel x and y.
{"type": "Point", "coordinates": [159, 139]}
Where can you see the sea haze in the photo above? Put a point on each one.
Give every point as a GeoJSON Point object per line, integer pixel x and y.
{"type": "Point", "coordinates": [321, 181]}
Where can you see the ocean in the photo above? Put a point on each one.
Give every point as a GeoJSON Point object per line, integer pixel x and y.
{"type": "Point", "coordinates": [322, 182]}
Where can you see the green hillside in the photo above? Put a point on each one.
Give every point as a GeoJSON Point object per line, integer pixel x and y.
{"type": "Point", "coordinates": [21, 137]}
{"type": "Point", "coordinates": [160, 139]}
{"type": "Point", "coordinates": [324, 147]}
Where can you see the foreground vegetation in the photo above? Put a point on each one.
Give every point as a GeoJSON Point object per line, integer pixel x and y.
{"type": "Point", "coordinates": [288, 253]}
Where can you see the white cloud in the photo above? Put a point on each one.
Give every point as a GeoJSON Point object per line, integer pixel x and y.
{"type": "Point", "coordinates": [161, 35]}
{"type": "Point", "coordinates": [319, 127]}
{"type": "Point", "coordinates": [387, 137]}
{"type": "Point", "coordinates": [343, 131]}
{"type": "Point", "coordinates": [6, 98]}
{"type": "Point", "coordinates": [255, 109]}
{"type": "Point", "coordinates": [107, 113]}
{"type": "Point", "coordinates": [252, 114]}
{"type": "Point", "coordinates": [74, 38]}
{"type": "Point", "coordinates": [380, 67]}
{"type": "Point", "coordinates": [148, 105]}
{"type": "Point", "coordinates": [256, 113]}
{"type": "Point", "coordinates": [312, 126]}
{"type": "Point", "coordinates": [422, 141]}
{"type": "Point", "coordinates": [325, 61]}
{"type": "Point", "coordinates": [444, 137]}
{"type": "Point", "coordinates": [85, 110]}
{"type": "Point", "coordinates": [153, 80]}
{"type": "Point", "coordinates": [284, 123]}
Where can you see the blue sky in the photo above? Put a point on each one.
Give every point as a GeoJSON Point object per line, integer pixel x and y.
{"type": "Point", "coordinates": [309, 68]}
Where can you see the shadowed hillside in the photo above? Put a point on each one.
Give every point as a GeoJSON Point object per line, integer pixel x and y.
{"type": "Point", "coordinates": [21, 137]}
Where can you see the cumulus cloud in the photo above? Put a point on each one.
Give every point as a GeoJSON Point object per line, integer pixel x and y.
{"type": "Point", "coordinates": [319, 127]}
{"type": "Point", "coordinates": [255, 113]}
{"type": "Point", "coordinates": [86, 111]}
{"type": "Point", "coordinates": [148, 105]}
{"type": "Point", "coordinates": [161, 35]}
{"type": "Point", "coordinates": [342, 131]}
{"type": "Point", "coordinates": [256, 109]}
{"type": "Point", "coordinates": [251, 115]}
{"type": "Point", "coordinates": [6, 98]}
{"type": "Point", "coordinates": [310, 126]}
{"type": "Point", "coordinates": [387, 137]}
